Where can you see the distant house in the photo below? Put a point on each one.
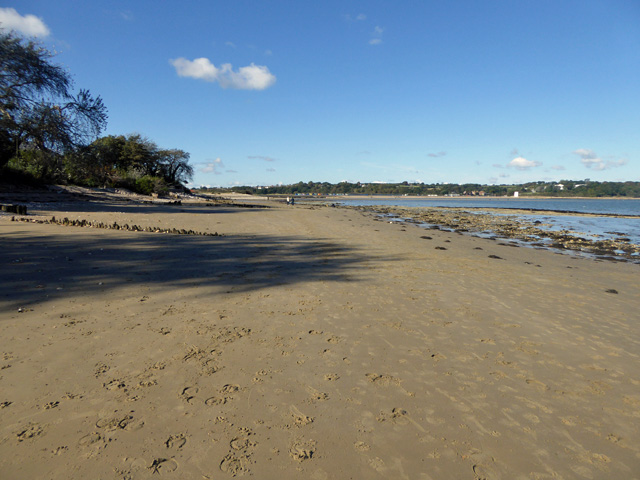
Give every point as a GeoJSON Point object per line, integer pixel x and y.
{"type": "Point", "coordinates": [516, 194]}
{"type": "Point", "coordinates": [559, 186]}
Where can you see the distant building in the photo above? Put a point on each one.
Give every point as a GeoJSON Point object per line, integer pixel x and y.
{"type": "Point", "coordinates": [516, 194]}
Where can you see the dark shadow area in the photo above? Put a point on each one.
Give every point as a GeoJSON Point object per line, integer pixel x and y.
{"type": "Point", "coordinates": [137, 207]}
{"type": "Point", "coordinates": [43, 268]}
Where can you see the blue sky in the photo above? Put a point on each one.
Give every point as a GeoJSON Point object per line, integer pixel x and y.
{"type": "Point", "coordinates": [261, 93]}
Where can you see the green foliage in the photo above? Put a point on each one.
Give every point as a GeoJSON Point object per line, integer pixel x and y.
{"type": "Point", "coordinates": [148, 185]}
{"type": "Point", "coordinates": [37, 109]}
{"type": "Point", "coordinates": [584, 188]}
{"type": "Point", "coordinates": [52, 135]}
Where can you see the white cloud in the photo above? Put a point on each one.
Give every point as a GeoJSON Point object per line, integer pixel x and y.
{"type": "Point", "coordinates": [376, 36]}
{"type": "Point", "coordinates": [253, 77]}
{"type": "Point", "coordinates": [557, 167]}
{"type": "Point", "coordinates": [261, 157]}
{"type": "Point", "coordinates": [436, 155]}
{"type": "Point", "coordinates": [361, 17]}
{"type": "Point", "coordinates": [212, 166]}
{"type": "Point", "coordinates": [591, 160]}
{"type": "Point", "coordinates": [268, 52]}
{"type": "Point", "coordinates": [28, 24]}
{"type": "Point", "coordinates": [522, 163]}
{"type": "Point", "coordinates": [230, 44]}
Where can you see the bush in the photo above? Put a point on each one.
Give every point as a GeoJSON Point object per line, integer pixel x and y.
{"type": "Point", "coordinates": [147, 185]}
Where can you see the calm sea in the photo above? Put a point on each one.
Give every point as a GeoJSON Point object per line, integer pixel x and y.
{"type": "Point", "coordinates": [586, 226]}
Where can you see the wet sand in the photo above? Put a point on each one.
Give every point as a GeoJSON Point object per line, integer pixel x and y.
{"type": "Point", "coordinates": [308, 342]}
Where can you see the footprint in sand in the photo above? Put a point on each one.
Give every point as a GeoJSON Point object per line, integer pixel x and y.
{"type": "Point", "coordinates": [176, 442]}
{"type": "Point", "coordinates": [361, 446]}
{"type": "Point", "coordinates": [317, 395]}
{"type": "Point", "coordinates": [397, 415]}
{"type": "Point", "coordinates": [302, 450]}
{"type": "Point", "coordinates": [229, 388]}
{"type": "Point", "coordinates": [188, 394]}
{"type": "Point", "coordinates": [300, 418]}
{"type": "Point", "coordinates": [235, 464]}
{"type": "Point", "coordinates": [89, 439]}
{"type": "Point", "coordinates": [216, 401]}
{"type": "Point", "coordinates": [163, 465]}
{"type": "Point", "coordinates": [29, 432]}
{"type": "Point", "coordinates": [382, 380]}
{"type": "Point", "coordinates": [238, 460]}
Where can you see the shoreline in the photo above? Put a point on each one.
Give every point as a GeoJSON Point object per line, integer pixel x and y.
{"type": "Point", "coordinates": [505, 226]}
{"type": "Point", "coordinates": [306, 342]}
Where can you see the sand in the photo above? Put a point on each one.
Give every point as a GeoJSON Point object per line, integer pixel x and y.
{"type": "Point", "coordinates": [308, 342]}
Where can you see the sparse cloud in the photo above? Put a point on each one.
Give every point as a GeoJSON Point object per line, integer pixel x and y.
{"type": "Point", "coordinates": [376, 36]}
{"type": "Point", "coordinates": [261, 157]}
{"type": "Point", "coordinates": [271, 170]}
{"type": "Point", "coordinates": [437, 155]}
{"type": "Point", "coordinates": [212, 166]}
{"type": "Point", "coordinates": [127, 16]}
{"type": "Point", "coordinates": [591, 160]}
{"type": "Point", "coordinates": [557, 167]}
{"type": "Point", "coordinates": [230, 44]}
{"type": "Point", "coordinates": [497, 165]}
{"type": "Point", "coordinates": [268, 53]}
{"type": "Point", "coordinates": [29, 25]}
{"type": "Point", "coordinates": [514, 153]}
{"type": "Point", "coordinates": [522, 163]}
{"type": "Point", "coordinates": [360, 17]}
{"type": "Point", "coordinates": [252, 77]}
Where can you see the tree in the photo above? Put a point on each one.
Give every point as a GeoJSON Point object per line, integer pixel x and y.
{"type": "Point", "coordinates": [174, 165]}
{"type": "Point", "coordinates": [37, 109]}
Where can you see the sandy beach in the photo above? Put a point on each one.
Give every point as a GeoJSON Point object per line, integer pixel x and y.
{"type": "Point", "coordinates": [307, 342]}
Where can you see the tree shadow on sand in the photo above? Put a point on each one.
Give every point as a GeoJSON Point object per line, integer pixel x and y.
{"type": "Point", "coordinates": [45, 267]}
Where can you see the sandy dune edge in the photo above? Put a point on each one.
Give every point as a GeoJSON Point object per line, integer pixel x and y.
{"type": "Point", "coordinates": [308, 342]}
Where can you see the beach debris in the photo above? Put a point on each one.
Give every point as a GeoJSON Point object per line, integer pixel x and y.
{"type": "Point", "coordinates": [19, 209]}
{"type": "Point", "coordinates": [612, 290]}
{"type": "Point", "coordinates": [114, 226]}
{"type": "Point", "coordinates": [496, 257]}
{"type": "Point", "coordinates": [440, 248]}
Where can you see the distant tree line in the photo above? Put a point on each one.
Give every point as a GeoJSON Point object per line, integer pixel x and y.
{"type": "Point", "coordinates": [564, 188]}
{"type": "Point", "coordinates": [49, 134]}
